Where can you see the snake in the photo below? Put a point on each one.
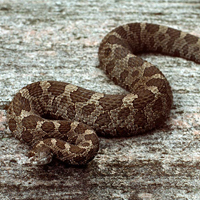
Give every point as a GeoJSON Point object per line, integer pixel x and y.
{"type": "Point", "coordinates": [62, 120]}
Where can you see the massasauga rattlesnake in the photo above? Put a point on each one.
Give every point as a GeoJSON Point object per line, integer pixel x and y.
{"type": "Point", "coordinates": [62, 119]}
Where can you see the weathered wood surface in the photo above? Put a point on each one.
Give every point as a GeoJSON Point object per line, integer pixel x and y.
{"type": "Point", "coordinates": [58, 40]}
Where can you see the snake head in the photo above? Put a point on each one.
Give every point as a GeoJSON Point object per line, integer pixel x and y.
{"type": "Point", "coordinates": [40, 155]}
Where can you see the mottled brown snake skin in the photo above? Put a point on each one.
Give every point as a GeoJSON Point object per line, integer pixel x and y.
{"type": "Point", "coordinates": [62, 119]}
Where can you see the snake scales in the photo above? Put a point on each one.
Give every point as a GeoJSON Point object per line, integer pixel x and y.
{"type": "Point", "coordinates": [62, 119]}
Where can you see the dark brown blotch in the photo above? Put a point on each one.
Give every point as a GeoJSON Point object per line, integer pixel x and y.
{"type": "Point", "coordinates": [152, 28]}
{"type": "Point", "coordinates": [114, 40]}
{"type": "Point", "coordinates": [27, 136]}
{"type": "Point", "coordinates": [161, 84]}
{"type": "Point", "coordinates": [48, 127]}
{"type": "Point", "coordinates": [80, 129]}
{"type": "Point", "coordinates": [75, 149]}
{"type": "Point", "coordinates": [110, 66]}
{"type": "Point", "coordinates": [135, 62]}
{"type": "Point", "coordinates": [47, 142]}
{"type": "Point", "coordinates": [144, 98]}
{"type": "Point", "coordinates": [191, 39]}
{"type": "Point", "coordinates": [70, 107]}
{"type": "Point", "coordinates": [12, 125]}
{"type": "Point", "coordinates": [71, 111]}
{"type": "Point", "coordinates": [107, 52]}
{"type": "Point", "coordinates": [185, 49]}
{"type": "Point", "coordinates": [20, 103]}
{"type": "Point", "coordinates": [140, 121]}
{"type": "Point", "coordinates": [81, 95]}
{"type": "Point", "coordinates": [152, 42]}
{"type": "Point", "coordinates": [135, 73]}
{"type": "Point", "coordinates": [60, 144]}
{"type": "Point", "coordinates": [123, 75]}
{"type": "Point", "coordinates": [88, 109]}
{"type": "Point", "coordinates": [64, 127]}
{"type": "Point", "coordinates": [103, 119]}
{"type": "Point", "coordinates": [123, 113]}
{"type": "Point", "coordinates": [174, 34]}
{"type": "Point", "coordinates": [35, 89]}
{"type": "Point", "coordinates": [93, 138]}
{"type": "Point", "coordinates": [108, 104]}
{"type": "Point", "coordinates": [30, 122]}
{"type": "Point", "coordinates": [158, 105]}
{"type": "Point", "coordinates": [121, 53]}
{"type": "Point", "coordinates": [115, 80]}
{"type": "Point", "coordinates": [56, 88]}
{"type": "Point", "coordinates": [134, 82]}
{"type": "Point", "coordinates": [161, 37]}
{"type": "Point", "coordinates": [150, 71]}
{"type": "Point", "coordinates": [123, 33]}
{"type": "Point", "coordinates": [135, 27]}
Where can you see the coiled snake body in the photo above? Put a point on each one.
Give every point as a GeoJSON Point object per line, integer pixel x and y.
{"type": "Point", "coordinates": [62, 119]}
